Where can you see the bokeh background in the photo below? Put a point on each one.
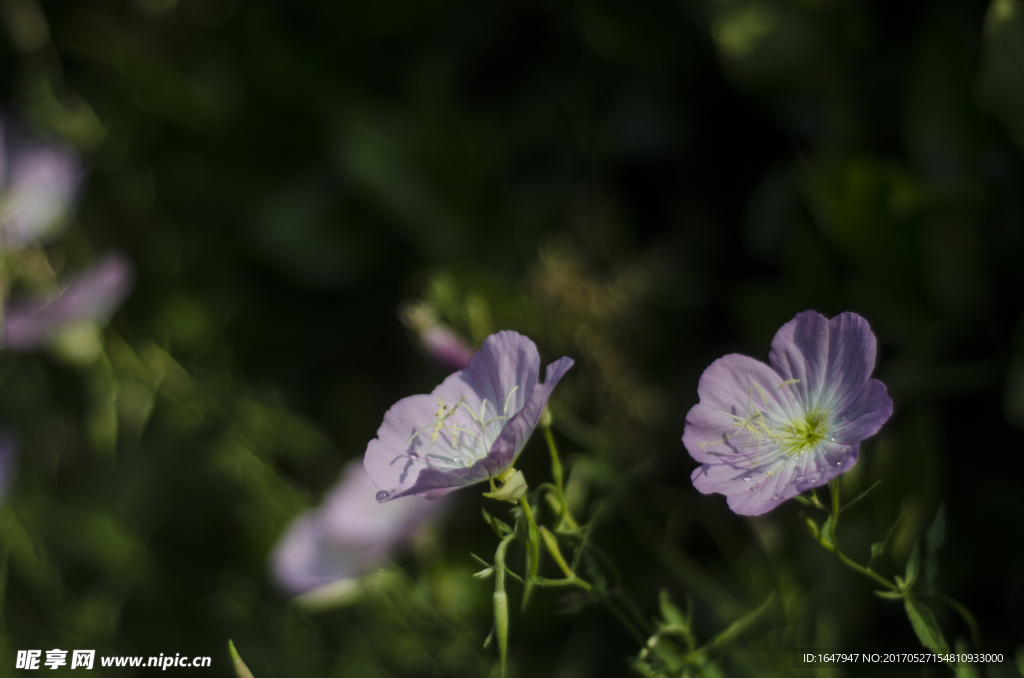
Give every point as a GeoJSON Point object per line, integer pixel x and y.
{"type": "Point", "coordinates": [641, 186]}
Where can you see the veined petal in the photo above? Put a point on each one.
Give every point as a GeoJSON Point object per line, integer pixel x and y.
{"type": "Point", "coordinates": [753, 492]}
{"type": "Point", "coordinates": [863, 417]}
{"type": "Point", "coordinates": [739, 399]}
{"type": "Point", "coordinates": [517, 431]}
{"type": "Point", "coordinates": [831, 359]}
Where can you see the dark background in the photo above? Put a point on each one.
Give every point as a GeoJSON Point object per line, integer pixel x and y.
{"type": "Point", "coordinates": [641, 186]}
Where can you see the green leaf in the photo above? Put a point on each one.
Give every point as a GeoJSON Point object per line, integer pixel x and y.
{"type": "Point", "coordinates": [241, 670]}
{"type": "Point", "coordinates": [669, 612]}
{"type": "Point", "coordinates": [913, 567]}
{"type": "Point", "coordinates": [489, 570]}
{"type": "Point", "coordinates": [964, 669]}
{"type": "Point", "coordinates": [742, 624]}
{"type": "Point", "coordinates": [925, 626]}
{"type": "Point", "coordinates": [1020, 660]}
{"type": "Point", "coordinates": [933, 539]}
{"type": "Point", "coordinates": [860, 496]}
{"type": "Point", "coordinates": [500, 527]}
{"type": "Point", "coordinates": [889, 595]}
{"type": "Point", "coordinates": [1000, 76]}
{"type": "Point", "coordinates": [826, 533]}
{"type": "Point", "coordinates": [879, 546]}
{"type": "Point", "coordinates": [812, 528]}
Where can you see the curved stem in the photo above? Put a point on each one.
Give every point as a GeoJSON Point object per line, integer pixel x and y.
{"type": "Point", "coordinates": [965, 614]}
{"type": "Point", "coordinates": [867, 572]}
{"type": "Point", "coordinates": [557, 474]}
{"type": "Point", "coordinates": [533, 548]}
{"type": "Point", "coordinates": [833, 486]}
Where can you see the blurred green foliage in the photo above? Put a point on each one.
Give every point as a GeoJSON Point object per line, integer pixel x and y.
{"type": "Point", "coordinates": [641, 186]}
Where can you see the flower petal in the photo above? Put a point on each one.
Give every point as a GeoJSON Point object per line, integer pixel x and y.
{"type": "Point", "coordinates": [446, 347]}
{"type": "Point", "coordinates": [505, 370]}
{"type": "Point", "coordinates": [92, 296]}
{"type": "Point", "coordinates": [42, 184]}
{"type": "Point", "coordinates": [732, 389]}
{"type": "Point", "coordinates": [350, 535]}
{"type": "Point", "coordinates": [864, 416]}
{"type": "Point", "coordinates": [753, 492]}
{"type": "Point", "coordinates": [831, 359]}
{"type": "Point", "coordinates": [518, 429]}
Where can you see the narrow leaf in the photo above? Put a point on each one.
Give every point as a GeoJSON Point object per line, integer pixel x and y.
{"type": "Point", "coordinates": [913, 567]}
{"type": "Point", "coordinates": [735, 629]}
{"type": "Point", "coordinates": [500, 527]}
{"type": "Point", "coordinates": [933, 539]}
{"type": "Point", "coordinates": [552, 545]}
{"type": "Point", "coordinates": [860, 496]}
{"type": "Point", "coordinates": [812, 528]}
{"type": "Point", "coordinates": [826, 533]}
{"type": "Point", "coordinates": [879, 546]}
{"type": "Point", "coordinates": [925, 626]}
{"type": "Point", "coordinates": [669, 612]}
{"type": "Point", "coordinates": [964, 669]}
{"type": "Point", "coordinates": [241, 670]}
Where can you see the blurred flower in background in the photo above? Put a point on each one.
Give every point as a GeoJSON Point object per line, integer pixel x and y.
{"type": "Point", "coordinates": [39, 183]}
{"type": "Point", "coordinates": [470, 428]}
{"type": "Point", "coordinates": [349, 536]}
{"type": "Point", "coordinates": [71, 318]}
{"type": "Point", "coordinates": [443, 346]}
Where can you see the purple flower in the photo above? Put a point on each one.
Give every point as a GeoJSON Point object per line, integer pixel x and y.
{"type": "Point", "coordinates": [349, 536]}
{"type": "Point", "coordinates": [765, 434]}
{"type": "Point", "coordinates": [446, 347]}
{"type": "Point", "coordinates": [91, 298]}
{"type": "Point", "coordinates": [38, 186]}
{"type": "Point", "coordinates": [470, 428]}
{"type": "Point", "coordinates": [443, 346]}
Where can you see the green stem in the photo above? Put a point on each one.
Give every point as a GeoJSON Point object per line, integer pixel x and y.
{"type": "Point", "coordinates": [965, 614]}
{"type": "Point", "coordinates": [833, 486]}
{"type": "Point", "coordinates": [534, 548]}
{"type": "Point", "coordinates": [623, 618]}
{"type": "Point", "coordinates": [558, 476]}
{"type": "Point", "coordinates": [556, 463]}
{"type": "Point", "coordinates": [867, 572]}
{"type": "Point", "coordinates": [681, 566]}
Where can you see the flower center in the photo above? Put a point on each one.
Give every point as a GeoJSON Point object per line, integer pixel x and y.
{"type": "Point", "coordinates": [465, 434]}
{"type": "Point", "coordinates": [806, 432]}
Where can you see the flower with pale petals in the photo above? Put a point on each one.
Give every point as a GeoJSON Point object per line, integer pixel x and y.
{"type": "Point", "coordinates": [764, 434]}
{"type": "Point", "coordinates": [470, 428]}
{"type": "Point", "coordinates": [349, 536]}
{"type": "Point", "coordinates": [86, 302]}
{"type": "Point", "coordinates": [37, 188]}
